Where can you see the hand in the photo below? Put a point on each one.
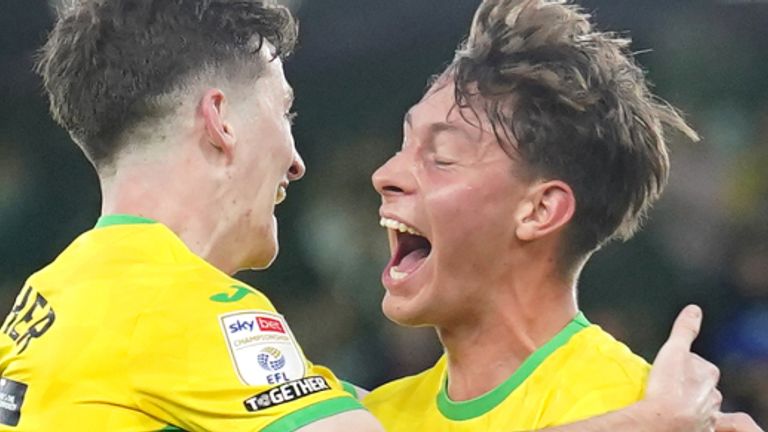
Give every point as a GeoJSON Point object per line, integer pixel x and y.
{"type": "Point", "coordinates": [682, 387]}
{"type": "Point", "coordinates": [736, 422]}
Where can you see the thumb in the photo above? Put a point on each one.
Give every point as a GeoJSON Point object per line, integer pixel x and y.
{"type": "Point", "coordinates": [736, 422]}
{"type": "Point", "coordinates": [686, 328]}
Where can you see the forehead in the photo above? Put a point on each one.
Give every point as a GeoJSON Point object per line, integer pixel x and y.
{"type": "Point", "coordinates": [273, 76]}
{"type": "Point", "coordinates": [438, 105]}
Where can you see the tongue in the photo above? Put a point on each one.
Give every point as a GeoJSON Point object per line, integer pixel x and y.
{"type": "Point", "coordinates": [412, 260]}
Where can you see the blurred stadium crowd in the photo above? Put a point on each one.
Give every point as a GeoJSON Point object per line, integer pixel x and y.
{"type": "Point", "coordinates": [360, 65]}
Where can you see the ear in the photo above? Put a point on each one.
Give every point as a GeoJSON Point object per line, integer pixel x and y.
{"type": "Point", "coordinates": [547, 207]}
{"type": "Point", "coordinates": [213, 108]}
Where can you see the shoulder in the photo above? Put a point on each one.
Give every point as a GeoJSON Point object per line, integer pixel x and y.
{"type": "Point", "coordinates": [209, 306]}
{"type": "Point", "coordinates": [407, 389]}
{"type": "Point", "coordinates": [592, 374]}
{"type": "Point", "coordinates": [213, 328]}
{"type": "Point", "coordinates": [600, 354]}
{"type": "Point", "coordinates": [197, 287]}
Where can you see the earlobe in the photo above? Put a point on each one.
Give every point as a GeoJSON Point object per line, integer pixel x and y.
{"type": "Point", "coordinates": [548, 207]}
{"type": "Point", "coordinates": [219, 131]}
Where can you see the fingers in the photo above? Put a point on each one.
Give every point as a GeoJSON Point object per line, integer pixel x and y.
{"type": "Point", "coordinates": [686, 327]}
{"type": "Point", "coordinates": [708, 371]}
{"type": "Point", "coordinates": [717, 399]}
{"type": "Point", "coordinates": [736, 422]}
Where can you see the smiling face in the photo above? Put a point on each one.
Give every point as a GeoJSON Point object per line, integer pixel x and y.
{"type": "Point", "coordinates": [264, 161]}
{"type": "Point", "coordinates": [448, 199]}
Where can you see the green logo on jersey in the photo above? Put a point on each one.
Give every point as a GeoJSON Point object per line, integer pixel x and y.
{"type": "Point", "coordinates": [239, 294]}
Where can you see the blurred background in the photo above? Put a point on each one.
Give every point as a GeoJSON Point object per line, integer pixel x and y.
{"type": "Point", "coordinates": [360, 65]}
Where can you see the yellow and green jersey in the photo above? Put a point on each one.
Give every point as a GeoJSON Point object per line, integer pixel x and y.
{"type": "Point", "coordinates": [128, 330]}
{"type": "Point", "coordinates": [580, 373]}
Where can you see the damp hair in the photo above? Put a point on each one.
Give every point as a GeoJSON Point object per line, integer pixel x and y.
{"type": "Point", "coordinates": [569, 102]}
{"type": "Point", "coordinates": [109, 66]}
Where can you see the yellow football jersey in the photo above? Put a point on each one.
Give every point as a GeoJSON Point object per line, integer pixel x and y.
{"type": "Point", "coordinates": [580, 373]}
{"type": "Point", "coordinates": [128, 330]}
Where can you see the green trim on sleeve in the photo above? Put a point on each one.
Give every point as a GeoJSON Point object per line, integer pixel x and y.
{"type": "Point", "coordinates": [122, 219]}
{"type": "Point", "coordinates": [171, 428]}
{"type": "Point", "coordinates": [350, 388]}
{"type": "Point", "coordinates": [472, 408]}
{"type": "Point", "coordinates": [313, 413]}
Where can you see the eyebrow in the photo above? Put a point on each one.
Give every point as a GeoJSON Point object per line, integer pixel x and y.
{"type": "Point", "coordinates": [437, 128]}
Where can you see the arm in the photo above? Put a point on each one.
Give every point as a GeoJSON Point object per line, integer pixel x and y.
{"type": "Point", "coordinates": [645, 417]}
{"type": "Point", "coordinates": [681, 394]}
{"type": "Point", "coordinates": [636, 418]}
{"type": "Point", "coordinates": [736, 422]}
{"type": "Point", "coordinates": [357, 392]}
{"type": "Point", "coordinates": [358, 421]}
{"type": "Point", "coordinates": [640, 417]}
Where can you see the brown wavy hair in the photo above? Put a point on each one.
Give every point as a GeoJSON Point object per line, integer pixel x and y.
{"type": "Point", "coordinates": [106, 63]}
{"type": "Point", "coordinates": [570, 103]}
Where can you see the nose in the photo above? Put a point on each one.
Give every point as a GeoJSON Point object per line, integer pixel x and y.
{"type": "Point", "coordinates": [297, 168]}
{"type": "Point", "coordinates": [393, 178]}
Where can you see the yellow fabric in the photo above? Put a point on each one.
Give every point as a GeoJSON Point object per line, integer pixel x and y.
{"type": "Point", "coordinates": [590, 374]}
{"type": "Point", "coordinates": [138, 343]}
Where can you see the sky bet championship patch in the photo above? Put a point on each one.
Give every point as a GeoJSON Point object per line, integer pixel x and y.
{"type": "Point", "coordinates": [262, 348]}
{"type": "Point", "coordinates": [285, 393]}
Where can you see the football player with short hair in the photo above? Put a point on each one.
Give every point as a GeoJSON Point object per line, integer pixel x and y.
{"type": "Point", "coordinates": [538, 144]}
{"type": "Point", "coordinates": [184, 111]}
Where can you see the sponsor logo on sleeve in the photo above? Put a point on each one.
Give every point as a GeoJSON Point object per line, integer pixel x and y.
{"type": "Point", "coordinates": [269, 324]}
{"type": "Point", "coordinates": [11, 397]}
{"type": "Point", "coordinates": [262, 348]}
{"type": "Point", "coordinates": [239, 293]}
{"type": "Point", "coordinates": [286, 392]}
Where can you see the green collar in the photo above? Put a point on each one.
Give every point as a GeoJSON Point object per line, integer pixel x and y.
{"type": "Point", "coordinates": [122, 219]}
{"type": "Point", "coordinates": [472, 408]}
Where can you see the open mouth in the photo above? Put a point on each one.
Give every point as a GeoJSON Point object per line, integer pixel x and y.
{"type": "Point", "coordinates": [280, 194]}
{"type": "Point", "coordinates": [410, 251]}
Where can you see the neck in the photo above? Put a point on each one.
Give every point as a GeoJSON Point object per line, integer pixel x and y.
{"type": "Point", "coordinates": [520, 317]}
{"type": "Point", "coordinates": [156, 191]}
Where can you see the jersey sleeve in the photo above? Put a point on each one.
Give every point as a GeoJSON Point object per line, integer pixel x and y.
{"type": "Point", "coordinates": [229, 362]}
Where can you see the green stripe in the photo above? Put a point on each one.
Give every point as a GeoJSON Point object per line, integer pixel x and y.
{"type": "Point", "coordinates": [171, 428]}
{"type": "Point", "coordinates": [122, 219]}
{"type": "Point", "coordinates": [472, 408]}
{"type": "Point", "coordinates": [350, 388]}
{"type": "Point", "coordinates": [313, 413]}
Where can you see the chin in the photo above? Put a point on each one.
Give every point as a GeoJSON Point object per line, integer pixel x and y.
{"type": "Point", "coordinates": [262, 259]}
{"type": "Point", "coordinates": [404, 312]}
{"type": "Point", "coordinates": [265, 247]}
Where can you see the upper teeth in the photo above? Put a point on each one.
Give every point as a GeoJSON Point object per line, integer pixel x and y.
{"type": "Point", "coordinates": [398, 226]}
{"type": "Point", "coordinates": [280, 194]}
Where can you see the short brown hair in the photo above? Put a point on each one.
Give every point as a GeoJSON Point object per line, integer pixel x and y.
{"type": "Point", "coordinates": [107, 61]}
{"type": "Point", "coordinates": [570, 103]}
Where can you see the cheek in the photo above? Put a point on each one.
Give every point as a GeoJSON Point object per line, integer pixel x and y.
{"type": "Point", "coordinates": [465, 209]}
{"type": "Point", "coordinates": [269, 160]}
{"type": "Point", "coordinates": [269, 139]}
{"type": "Point", "coordinates": [280, 137]}
{"type": "Point", "coordinates": [472, 225]}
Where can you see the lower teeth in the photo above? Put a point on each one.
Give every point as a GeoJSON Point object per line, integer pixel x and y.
{"type": "Point", "coordinates": [396, 275]}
